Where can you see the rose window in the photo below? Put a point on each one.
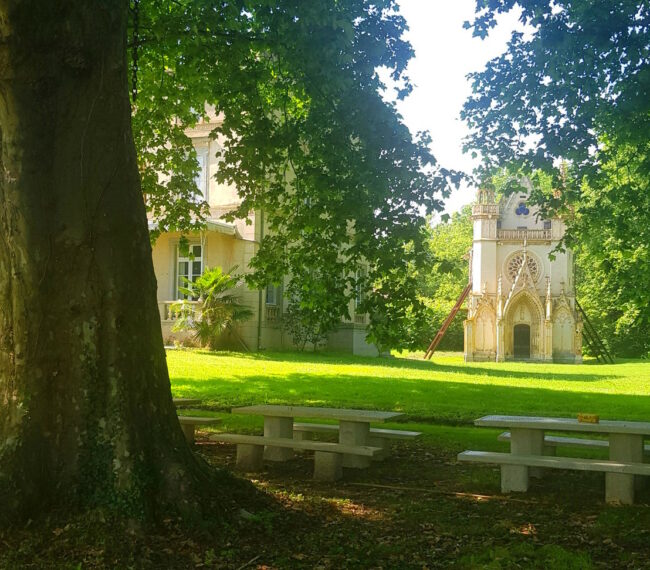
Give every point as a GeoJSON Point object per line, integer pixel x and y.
{"type": "Point", "coordinates": [514, 264]}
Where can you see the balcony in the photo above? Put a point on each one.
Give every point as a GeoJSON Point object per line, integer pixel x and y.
{"type": "Point", "coordinates": [273, 313]}
{"type": "Point", "coordinates": [170, 311]}
{"type": "Point", "coordinates": [521, 235]}
{"type": "Point", "coordinates": [485, 210]}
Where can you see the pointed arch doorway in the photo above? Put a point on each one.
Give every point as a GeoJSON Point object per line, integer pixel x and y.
{"type": "Point", "coordinates": [521, 342]}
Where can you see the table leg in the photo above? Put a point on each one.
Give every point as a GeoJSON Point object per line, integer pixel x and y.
{"type": "Point", "coordinates": [275, 426]}
{"type": "Point", "coordinates": [522, 442]}
{"type": "Point", "coordinates": [628, 448]}
{"type": "Point", "coordinates": [354, 433]}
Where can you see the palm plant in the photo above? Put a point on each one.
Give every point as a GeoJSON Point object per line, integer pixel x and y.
{"type": "Point", "coordinates": [218, 308]}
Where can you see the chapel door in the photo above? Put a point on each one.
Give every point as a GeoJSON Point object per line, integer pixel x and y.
{"type": "Point", "coordinates": [522, 341]}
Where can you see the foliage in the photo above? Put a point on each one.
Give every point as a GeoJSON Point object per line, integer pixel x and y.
{"type": "Point", "coordinates": [575, 87]}
{"type": "Point", "coordinates": [613, 253]}
{"type": "Point", "coordinates": [579, 71]}
{"type": "Point", "coordinates": [218, 308]}
{"type": "Point", "coordinates": [309, 319]}
{"type": "Point", "coordinates": [449, 244]}
{"type": "Point", "coordinates": [397, 313]}
{"type": "Point", "coordinates": [305, 135]}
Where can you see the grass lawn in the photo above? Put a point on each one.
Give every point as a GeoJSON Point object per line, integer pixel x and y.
{"type": "Point", "coordinates": [445, 390]}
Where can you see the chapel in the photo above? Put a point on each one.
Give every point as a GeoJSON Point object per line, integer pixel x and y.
{"type": "Point", "coordinates": [521, 304]}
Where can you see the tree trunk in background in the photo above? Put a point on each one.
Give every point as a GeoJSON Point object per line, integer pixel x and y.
{"type": "Point", "coordinates": [85, 403]}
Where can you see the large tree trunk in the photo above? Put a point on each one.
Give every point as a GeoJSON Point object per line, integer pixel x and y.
{"type": "Point", "coordinates": [85, 401]}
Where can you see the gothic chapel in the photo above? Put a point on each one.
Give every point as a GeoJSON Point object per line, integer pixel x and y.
{"type": "Point", "coordinates": [522, 304]}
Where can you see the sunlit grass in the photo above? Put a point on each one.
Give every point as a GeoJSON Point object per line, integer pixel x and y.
{"type": "Point", "coordinates": [445, 389]}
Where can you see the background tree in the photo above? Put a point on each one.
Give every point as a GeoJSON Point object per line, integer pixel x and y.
{"type": "Point", "coordinates": [307, 138]}
{"type": "Point", "coordinates": [577, 85]}
{"type": "Point", "coordinates": [449, 245]}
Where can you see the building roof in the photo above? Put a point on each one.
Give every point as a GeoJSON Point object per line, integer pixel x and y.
{"type": "Point", "coordinates": [212, 226]}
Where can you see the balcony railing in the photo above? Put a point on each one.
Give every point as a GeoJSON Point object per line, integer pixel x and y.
{"type": "Point", "coordinates": [171, 310]}
{"type": "Point", "coordinates": [485, 209]}
{"type": "Point", "coordinates": [272, 313]}
{"type": "Point", "coordinates": [528, 235]}
{"type": "Point", "coordinates": [360, 319]}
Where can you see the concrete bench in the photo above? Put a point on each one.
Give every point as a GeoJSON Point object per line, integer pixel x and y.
{"type": "Point", "coordinates": [328, 464]}
{"type": "Point", "coordinates": [551, 442]}
{"type": "Point", "coordinates": [514, 471]}
{"type": "Point", "coordinates": [189, 424]}
{"type": "Point", "coordinates": [378, 437]}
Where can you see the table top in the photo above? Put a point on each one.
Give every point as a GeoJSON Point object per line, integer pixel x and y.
{"type": "Point", "coordinates": [312, 412]}
{"type": "Point", "coordinates": [186, 401]}
{"type": "Point", "coordinates": [565, 424]}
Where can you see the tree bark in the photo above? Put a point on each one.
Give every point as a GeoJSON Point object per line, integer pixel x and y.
{"type": "Point", "coordinates": [86, 413]}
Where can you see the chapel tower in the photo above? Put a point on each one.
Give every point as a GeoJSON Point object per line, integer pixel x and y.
{"type": "Point", "coordinates": [522, 304]}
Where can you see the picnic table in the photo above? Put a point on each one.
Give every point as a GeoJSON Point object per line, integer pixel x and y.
{"type": "Point", "coordinates": [527, 450]}
{"type": "Point", "coordinates": [186, 401]}
{"type": "Point", "coordinates": [354, 427]}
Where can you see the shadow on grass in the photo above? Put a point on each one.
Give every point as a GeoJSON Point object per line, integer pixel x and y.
{"type": "Point", "coordinates": [429, 401]}
{"type": "Point", "coordinates": [551, 371]}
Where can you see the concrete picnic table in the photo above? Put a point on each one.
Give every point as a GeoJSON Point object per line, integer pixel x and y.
{"type": "Point", "coordinates": [186, 401]}
{"type": "Point", "coordinates": [354, 426]}
{"type": "Point", "coordinates": [625, 442]}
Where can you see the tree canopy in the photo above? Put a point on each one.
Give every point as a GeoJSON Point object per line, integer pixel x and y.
{"type": "Point", "coordinates": [574, 86]}
{"type": "Point", "coordinates": [307, 138]}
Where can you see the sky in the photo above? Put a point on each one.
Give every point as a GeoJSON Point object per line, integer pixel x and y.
{"type": "Point", "coordinates": [444, 54]}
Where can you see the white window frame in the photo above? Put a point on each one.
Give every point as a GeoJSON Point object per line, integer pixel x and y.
{"type": "Point", "coordinates": [202, 179]}
{"type": "Point", "coordinates": [190, 259]}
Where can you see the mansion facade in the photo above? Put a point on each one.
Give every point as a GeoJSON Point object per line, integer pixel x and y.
{"type": "Point", "coordinates": [228, 245]}
{"type": "Point", "coordinates": [522, 301]}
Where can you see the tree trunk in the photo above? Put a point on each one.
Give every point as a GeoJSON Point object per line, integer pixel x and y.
{"type": "Point", "coordinates": [85, 404]}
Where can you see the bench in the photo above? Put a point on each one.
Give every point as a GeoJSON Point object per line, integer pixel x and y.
{"type": "Point", "coordinates": [514, 471]}
{"type": "Point", "coordinates": [378, 437]}
{"type": "Point", "coordinates": [328, 464]}
{"type": "Point", "coordinates": [189, 424]}
{"type": "Point", "coordinates": [551, 442]}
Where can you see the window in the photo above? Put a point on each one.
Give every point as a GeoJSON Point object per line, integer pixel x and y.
{"type": "Point", "coordinates": [547, 224]}
{"type": "Point", "coordinates": [201, 179]}
{"type": "Point", "coordinates": [522, 209]}
{"type": "Point", "coordinates": [273, 295]}
{"type": "Point", "coordinates": [359, 288]}
{"type": "Point", "coordinates": [189, 266]}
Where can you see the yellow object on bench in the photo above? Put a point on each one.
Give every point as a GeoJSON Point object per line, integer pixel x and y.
{"type": "Point", "coordinates": [588, 418]}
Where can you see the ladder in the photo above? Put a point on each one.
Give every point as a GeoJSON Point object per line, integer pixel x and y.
{"type": "Point", "coordinates": [596, 345]}
{"type": "Point", "coordinates": [443, 329]}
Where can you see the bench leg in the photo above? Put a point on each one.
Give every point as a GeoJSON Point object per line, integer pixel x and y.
{"type": "Point", "coordinates": [382, 443]}
{"type": "Point", "coordinates": [527, 442]}
{"type": "Point", "coordinates": [302, 436]}
{"type": "Point", "coordinates": [250, 457]}
{"type": "Point", "coordinates": [278, 427]}
{"type": "Point", "coordinates": [188, 432]}
{"type": "Point", "coordinates": [514, 478]}
{"type": "Point", "coordinates": [619, 487]}
{"type": "Point", "coordinates": [327, 466]}
{"type": "Point", "coordinates": [354, 433]}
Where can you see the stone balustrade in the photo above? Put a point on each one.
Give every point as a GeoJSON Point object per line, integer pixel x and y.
{"type": "Point", "coordinates": [170, 310]}
{"type": "Point", "coordinates": [485, 210]}
{"type": "Point", "coordinates": [272, 313]}
{"type": "Point", "coordinates": [520, 235]}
